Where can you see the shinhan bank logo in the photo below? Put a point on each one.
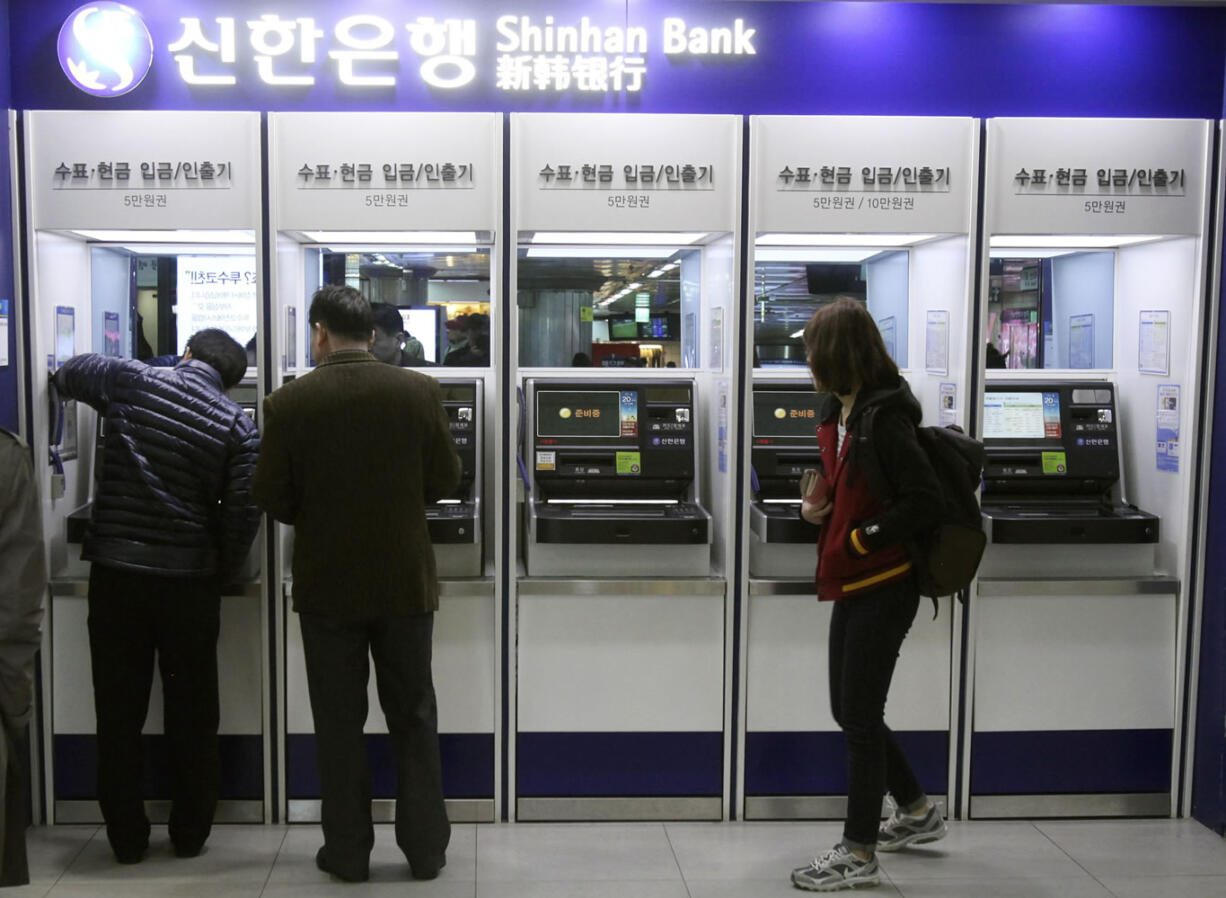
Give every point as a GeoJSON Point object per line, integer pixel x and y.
{"type": "Point", "coordinates": [105, 49]}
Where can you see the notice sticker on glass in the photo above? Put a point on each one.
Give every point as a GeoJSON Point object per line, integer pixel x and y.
{"type": "Point", "coordinates": [629, 463]}
{"type": "Point", "coordinates": [110, 335]}
{"type": "Point", "coordinates": [1055, 463]}
{"type": "Point", "coordinates": [936, 343]}
{"type": "Point", "coordinates": [1168, 428]}
{"type": "Point", "coordinates": [948, 410]}
{"type": "Point", "coordinates": [65, 334]}
{"type": "Point", "coordinates": [1154, 343]}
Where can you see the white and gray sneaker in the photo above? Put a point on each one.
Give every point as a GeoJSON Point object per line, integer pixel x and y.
{"type": "Point", "coordinates": [901, 830]}
{"type": "Point", "coordinates": [837, 869]}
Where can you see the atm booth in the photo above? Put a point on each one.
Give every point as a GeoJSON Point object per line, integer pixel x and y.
{"type": "Point", "coordinates": [144, 227]}
{"type": "Point", "coordinates": [625, 284]}
{"type": "Point", "coordinates": [1093, 310]}
{"type": "Point", "coordinates": [833, 213]}
{"type": "Point", "coordinates": [411, 221]}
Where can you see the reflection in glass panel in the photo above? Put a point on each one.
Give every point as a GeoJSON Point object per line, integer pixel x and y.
{"type": "Point", "coordinates": [432, 306]}
{"type": "Point", "coordinates": [178, 295]}
{"type": "Point", "coordinates": [791, 284]}
{"type": "Point", "coordinates": [1054, 310]}
{"type": "Point", "coordinates": [608, 306]}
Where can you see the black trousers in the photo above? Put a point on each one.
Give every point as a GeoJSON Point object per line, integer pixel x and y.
{"type": "Point", "coordinates": [132, 616]}
{"type": "Point", "coordinates": [338, 657]}
{"type": "Point", "coordinates": [866, 633]}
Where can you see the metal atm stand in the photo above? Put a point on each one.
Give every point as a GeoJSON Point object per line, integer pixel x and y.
{"type": "Point", "coordinates": [1053, 460]}
{"type": "Point", "coordinates": [454, 523]}
{"type": "Point", "coordinates": [614, 485]}
{"type": "Point", "coordinates": [781, 543]}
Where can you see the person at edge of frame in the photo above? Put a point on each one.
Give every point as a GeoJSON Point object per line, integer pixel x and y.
{"type": "Point", "coordinates": [864, 568]}
{"type": "Point", "coordinates": [171, 524]}
{"type": "Point", "coordinates": [352, 453]}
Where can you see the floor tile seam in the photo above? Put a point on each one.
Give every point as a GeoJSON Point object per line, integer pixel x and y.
{"type": "Point", "coordinates": [1066, 853]}
{"type": "Point", "coordinates": [276, 857]}
{"type": "Point", "coordinates": [668, 837]}
{"type": "Point", "coordinates": [80, 850]}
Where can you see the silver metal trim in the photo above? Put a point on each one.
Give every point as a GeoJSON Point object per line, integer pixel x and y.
{"type": "Point", "coordinates": [1081, 586]}
{"type": "Point", "coordinates": [159, 812]}
{"type": "Point", "coordinates": [383, 810]}
{"type": "Point", "coordinates": [809, 807]}
{"type": "Point", "coordinates": [475, 587]}
{"type": "Point", "coordinates": [782, 588]}
{"type": "Point", "coordinates": [577, 810]}
{"type": "Point", "coordinates": [532, 586]}
{"type": "Point", "coordinates": [79, 589]}
{"type": "Point", "coordinates": [1140, 804]}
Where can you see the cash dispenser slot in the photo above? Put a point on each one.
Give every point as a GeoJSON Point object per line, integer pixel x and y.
{"type": "Point", "coordinates": [1052, 465]}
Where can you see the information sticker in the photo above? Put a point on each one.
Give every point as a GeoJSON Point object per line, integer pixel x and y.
{"type": "Point", "coordinates": [1055, 463]}
{"type": "Point", "coordinates": [629, 463]}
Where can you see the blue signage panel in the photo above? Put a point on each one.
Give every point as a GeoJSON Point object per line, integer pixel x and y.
{"type": "Point", "coordinates": [648, 56]}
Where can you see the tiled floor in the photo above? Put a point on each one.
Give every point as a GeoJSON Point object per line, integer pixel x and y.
{"type": "Point", "coordinates": [1081, 859]}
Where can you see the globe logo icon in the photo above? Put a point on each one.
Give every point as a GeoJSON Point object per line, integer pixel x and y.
{"type": "Point", "coordinates": [105, 49]}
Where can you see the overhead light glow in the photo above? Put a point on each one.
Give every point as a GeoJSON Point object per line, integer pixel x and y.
{"type": "Point", "coordinates": [600, 252]}
{"type": "Point", "coordinates": [179, 236]}
{"type": "Point", "coordinates": [771, 254]}
{"type": "Point", "coordinates": [189, 249]}
{"type": "Point", "coordinates": [391, 237]}
{"type": "Point", "coordinates": [800, 333]}
{"type": "Point", "coordinates": [1029, 253]}
{"type": "Point", "coordinates": [1070, 241]}
{"type": "Point", "coordinates": [630, 238]}
{"type": "Point", "coordinates": [842, 239]}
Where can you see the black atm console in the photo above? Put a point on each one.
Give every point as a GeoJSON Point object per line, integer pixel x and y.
{"type": "Point", "coordinates": [1053, 460]}
{"type": "Point", "coordinates": [612, 472]}
{"type": "Point", "coordinates": [455, 522]}
{"type": "Point", "coordinates": [784, 444]}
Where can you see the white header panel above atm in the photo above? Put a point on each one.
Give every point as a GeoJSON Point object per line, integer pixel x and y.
{"type": "Point", "coordinates": [862, 174]}
{"type": "Point", "coordinates": [386, 171]}
{"type": "Point", "coordinates": [626, 172]}
{"type": "Point", "coordinates": [1097, 176]}
{"type": "Point", "coordinates": [142, 170]}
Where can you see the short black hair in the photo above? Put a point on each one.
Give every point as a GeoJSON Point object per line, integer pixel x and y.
{"type": "Point", "coordinates": [386, 318]}
{"type": "Point", "coordinates": [219, 351]}
{"type": "Point", "coordinates": [343, 311]}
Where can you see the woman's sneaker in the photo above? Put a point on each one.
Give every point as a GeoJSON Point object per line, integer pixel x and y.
{"type": "Point", "coordinates": [902, 829]}
{"type": "Point", "coordinates": [837, 869]}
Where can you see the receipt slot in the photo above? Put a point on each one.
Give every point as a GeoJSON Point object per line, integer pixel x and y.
{"type": "Point", "coordinates": [784, 445]}
{"type": "Point", "coordinates": [613, 480]}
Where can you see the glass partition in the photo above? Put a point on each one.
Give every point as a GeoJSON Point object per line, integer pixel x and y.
{"type": "Point", "coordinates": [790, 284]}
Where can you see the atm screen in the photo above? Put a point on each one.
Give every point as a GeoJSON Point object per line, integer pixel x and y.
{"type": "Point", "coordinates": [785, 413]}
{"type": "Point", "coordinates": [575, 413]}
{"type": "Point", "coordinates": [458, 392]}
{"type": "Point", "coordinates": [1021, 415]}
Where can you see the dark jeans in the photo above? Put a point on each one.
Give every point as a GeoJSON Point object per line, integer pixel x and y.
{"type": "Point", "coordinates": [866, 633]}
{"type": "Point", "coordinates": [132, 615]}
{"type": "Point", "coordinates": [337, 657]}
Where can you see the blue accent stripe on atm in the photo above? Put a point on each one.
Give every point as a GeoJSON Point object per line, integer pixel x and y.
{"type": "Point", "coordinates": [619, 764]}
{"type": "Point", "coordinates": [816, 763]}
{"type": "Point", "coordinates": [76, 767]}
{"type": "Point", "coordinates": [1053, 763]}
{"type": "Point", "coordinates": [468, 765]}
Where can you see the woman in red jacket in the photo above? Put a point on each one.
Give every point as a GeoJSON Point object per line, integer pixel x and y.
{"type": "Point", "coordinates": [863, 564]}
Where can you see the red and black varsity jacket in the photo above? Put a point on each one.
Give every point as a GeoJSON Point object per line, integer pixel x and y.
{"type": "Point", "coordinates": [862, 545]}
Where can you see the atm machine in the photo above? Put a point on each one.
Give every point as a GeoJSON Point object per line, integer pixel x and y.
{"type": "Point", "coordinates": [613, 480]}
{"type": "Point", "coordinates": [105, 199]}
{"type": "Point", "coordinates": [1052, 468]}
{"type": "Point", "coordinates": [1093, 307]}
{"type": "Point", "coordinates": [411, 219]}
{"type": "Point", "coordinates": [783, 444]}
{"type": "Point", "coordinates": [834, 212]}
{"type": "Point", "coordinates": [622, 620]}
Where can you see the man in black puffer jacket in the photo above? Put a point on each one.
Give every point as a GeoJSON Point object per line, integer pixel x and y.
{"type": "Point", "coordinates": [172, 522]}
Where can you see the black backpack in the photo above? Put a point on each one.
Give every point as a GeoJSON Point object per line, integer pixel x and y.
{"type": "Point", "coordinates": [947, 557]}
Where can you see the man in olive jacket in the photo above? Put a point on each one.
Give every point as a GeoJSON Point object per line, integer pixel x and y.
{"type": "Point", "coordinates": [351, 454]}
